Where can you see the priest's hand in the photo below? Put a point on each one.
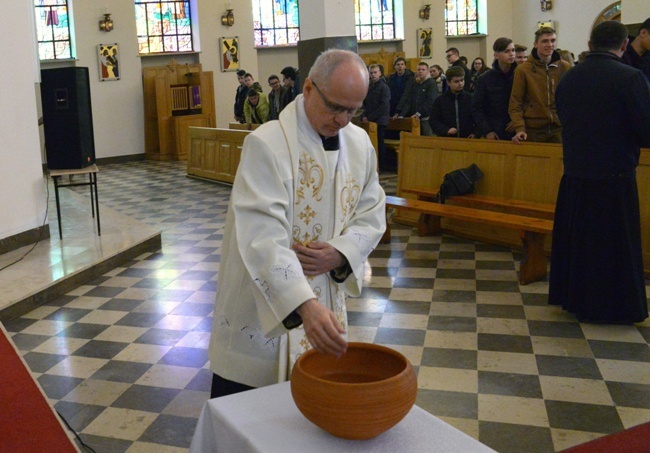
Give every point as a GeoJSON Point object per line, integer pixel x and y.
{"type": "Point", "coordinates": [322, 328]}
{"type": "Point", "coordinates": [318, 257]}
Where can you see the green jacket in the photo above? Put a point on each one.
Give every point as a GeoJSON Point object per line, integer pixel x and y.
{"type": "Point", "coordinates": [257, 114]}
{"type": "Point", "coordinates": [532, 101]}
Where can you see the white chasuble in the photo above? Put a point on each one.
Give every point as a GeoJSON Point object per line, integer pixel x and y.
{"type": "Point", "coordinates": [325, 193]}
{"type": "Point", "coordinates": [288, 190]}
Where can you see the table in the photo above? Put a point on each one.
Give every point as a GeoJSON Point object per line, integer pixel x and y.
{"type": "Point", "coordinates": [91, 171]}
{"type": "Point", "coordinates": [267, 420]}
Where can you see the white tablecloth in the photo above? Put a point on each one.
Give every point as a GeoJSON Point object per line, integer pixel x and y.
{"type": "Point", "coordinates": [267, 420]}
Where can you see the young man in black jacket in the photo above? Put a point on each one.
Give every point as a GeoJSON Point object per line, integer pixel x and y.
{"type": "Point", "coordinates": [492, 95]}
{"type": "Point", "coordinates": [376, 107]}
{"type": "Point", "coordinates": [452, 111]}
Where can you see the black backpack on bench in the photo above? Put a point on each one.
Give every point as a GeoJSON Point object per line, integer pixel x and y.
{"type": "Point", "coordinates": [459, 182]}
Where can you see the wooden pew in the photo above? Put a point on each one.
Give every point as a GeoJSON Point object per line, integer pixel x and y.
{"type": "Point", "coordinates": [214, 153]}
{"type": "Point", "coordinates": [529, 172]}
{"type": "Point", "coordinates": [239, 126]}
{"type": "Point", "coordinates": [243, 126]}
{"type": "Point", "coordinates": [410, 125]}
{"type": "Point", "coordinates": [489, 203]}
{"type": "Point", "coordinates": [533, 266]}
{"type": "Point", "coordinates": [371, 129]}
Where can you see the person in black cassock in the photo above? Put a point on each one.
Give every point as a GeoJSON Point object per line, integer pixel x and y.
{"type": "Point", "coordinates": [596, 259]}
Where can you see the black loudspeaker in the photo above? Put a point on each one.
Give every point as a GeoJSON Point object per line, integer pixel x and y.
{"type": "Point", "coordinates": [67, 118]}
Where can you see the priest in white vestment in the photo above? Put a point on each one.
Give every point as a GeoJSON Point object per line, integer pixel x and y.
{"type": "Point", "coordinates": [306, 210]}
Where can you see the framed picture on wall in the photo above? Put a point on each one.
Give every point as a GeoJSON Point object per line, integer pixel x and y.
{"type": "Point", "coordinates": [424, 42]}
{"type": "Point", "coordinates": [229, 54]}
{"type": "Point", "coordinates": [108, 57]}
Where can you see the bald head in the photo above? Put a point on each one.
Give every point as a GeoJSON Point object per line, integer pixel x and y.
{"type": "Point", "coordinates": [334, 90]}
{"type": "Point", "coordinates": [331, 60]}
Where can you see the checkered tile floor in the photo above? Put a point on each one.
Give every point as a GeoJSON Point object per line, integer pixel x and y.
{"type": "Point", "coordinates": [124, 358]}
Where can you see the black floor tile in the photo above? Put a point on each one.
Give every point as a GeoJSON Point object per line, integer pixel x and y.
{"type": "Point", "coordinates": [583, 417]}
{"type": "Point", "coordinates": [106, 444]}
{"type": "Point", "coordinates": [500, 311]}
{"type": "Point", "coordinates": [17, 324]}
{"type": "Point", "coordinates": [100, 349]}
{"type": "Point", "coordinates": [454, 296]}
{"type": "Point", "coordinates": [40, 362]}
{"type": "Point", "coordinates": [416, 262]}
{"type": "Point", "coordinates": [497, 285]}
{"type": "Point", "coordinates": [449, 358]}
{"type": "Point", "coordinates": [170, 430]}
{"type": "Point", "coordinates": [452, 323]}
{"type": "Point", "coordinates": [146, 398]}
{"type": "Point", "coordinates": [555, 329]}
{"type": "Point", "coordinates": [27, 342]}
{"type": "Point", "coordinates": [163, 337]}
{"type": "Point", "coordinates": [193, 309]}
{"type": "Point", "coordinates": [56, 387]}
{"type": "Point", "coordinates": [453, 255]}
{"type": "Point", "coordinates": [495, 265]}
{"type": "Point", "coordinates": [467, 274]}
{"type": "Point", "coordinates": [575, 367]}
{"type": "Point", "coordinates": [406, 337]}
{"type": "Point", "coordinates": [448, 404]}
{"type": "Point", "coordinates": [509, 438]}
{"type": "Point", "coordinates": [140, 319]}
{"type": "Point", "coordinates": [65, 314]}
{"type": "Point", "coordinates": [78, 415]}
{"type": "Point", "coordinates": [509, 384]}
{"type": "Point", "coordinates": [534, 299]}
{"type": "Point", "coordinates": [407, 307]}
{"type": "Point", "coordinates": [104, 291]}
{"type": "Point", "coordinates": [119, 371]}
{"type": "Point", "coordinates": [358, 318]}
{"type": "Point", "coordinates": [619, 350]}
{"type": "Point", "coordinates": [83, 330]}
{"type": "Point", "coordinates": [187, 357]}
{"type": "Point", "coordinates": [202, 382]}
{"type": "Point", "coordinates": [504, 343]}
{"type": "Point", "coordinates": [630, 395]}
{"type": "Point", "coordinates": [408, 282]}
{"type": "Point", "coordinates": [121, 304]}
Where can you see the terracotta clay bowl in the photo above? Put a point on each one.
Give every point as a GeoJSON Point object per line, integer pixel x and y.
{"type": "Point", "coordinates": [358, 396]}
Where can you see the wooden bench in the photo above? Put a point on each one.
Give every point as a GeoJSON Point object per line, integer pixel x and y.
{"type": "Point", "coordinates": [411, 125]}
{"type": "Point", "coordinates": [243, 126]}
{"type": "Point", "coordinates": [371, 129]}
{"type": "Point", "coordinates": [214, 154]}
{"type": "Point", "coordinates": [490, 203]}
{"type": "Point", "coordinates": [533, 266]}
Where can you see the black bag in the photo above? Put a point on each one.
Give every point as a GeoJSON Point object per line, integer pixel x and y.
{"type": "Point", "coordinates": [459, 182]}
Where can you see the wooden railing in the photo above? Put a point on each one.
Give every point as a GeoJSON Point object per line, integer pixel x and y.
{"type": "Point", "coordinates": [214, 153]}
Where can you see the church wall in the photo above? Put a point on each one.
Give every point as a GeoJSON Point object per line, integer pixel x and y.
{"type": "Point", "coordinates": [118, 106]}
{"type": "Point", "coordinates": [22, 185]}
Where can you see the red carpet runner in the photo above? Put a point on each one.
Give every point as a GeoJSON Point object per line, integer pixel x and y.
{"type": "Point", "coordinates": [27, 422]}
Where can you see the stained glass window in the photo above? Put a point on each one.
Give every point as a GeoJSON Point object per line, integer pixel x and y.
{"type": "Point", "coordinates": [461, 17]}
{"type": "Point", "coordinates": [276, 22]}
{"type": "Point", "coordinates": [374, 19]}
{"type": "Point", "coordinates": [163, 26]}
{"type": "Point", "coordinates": [53, 29]}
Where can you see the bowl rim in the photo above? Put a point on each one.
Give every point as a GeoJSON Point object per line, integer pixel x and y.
{"type": "Point", "coordinates": [359, 345]}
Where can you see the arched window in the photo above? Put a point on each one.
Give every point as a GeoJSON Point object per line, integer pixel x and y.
{"type": "Point", "coordinates": [374, 19]}
{"type": "Point", "coordinates": [276, 22]}
{"type": "Point", "coordinates": [163, 26]}
{"type": "Point", "coordinates": [53, 29]}
{"type": "Point", "coordinates": [461, 17]}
